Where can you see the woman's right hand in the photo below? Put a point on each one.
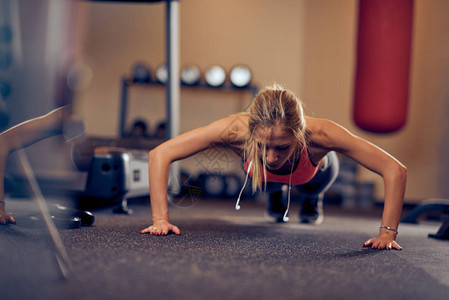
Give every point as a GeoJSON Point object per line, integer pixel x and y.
{"type": "Point", "coordinates": [161, 227]}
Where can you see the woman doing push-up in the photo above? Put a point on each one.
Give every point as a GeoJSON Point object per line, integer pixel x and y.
{"type": "Point", "coordinates": [281, 146]}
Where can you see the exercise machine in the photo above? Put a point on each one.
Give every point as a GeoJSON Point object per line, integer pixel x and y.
{"type": "Point", "coordinates": [113, 173]}
{"type": "Point", "coordinates": [439, 206]}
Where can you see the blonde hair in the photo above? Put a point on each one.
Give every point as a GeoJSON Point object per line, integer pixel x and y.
{"type": "Point", "coordinates": [273, 106]}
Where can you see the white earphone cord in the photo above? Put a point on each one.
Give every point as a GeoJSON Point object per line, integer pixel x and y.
{"type": "Point", "coordinates": [237, 206]}
{"type": "Point", "coordinates": [285, 218]}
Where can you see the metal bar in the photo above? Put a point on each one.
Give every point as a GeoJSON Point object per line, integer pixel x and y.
{"type": "Point", "coordinates": [172, 55]}
{"type": "Point", "coordinates": [173, 81]}
{"type": "Point", "coordinates": [123, 107]}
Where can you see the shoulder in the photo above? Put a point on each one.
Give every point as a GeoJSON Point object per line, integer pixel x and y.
{"type": "Point", "coordinates": [232, 129]}
{"type": "Point", "coordinates": [326, 133]}
{"type": "Point", "coordinates": [317, 125]}
{"type": "Point", "coordinates": [236, 121]}
{"type": "Point", "coordinates": [233, 123]}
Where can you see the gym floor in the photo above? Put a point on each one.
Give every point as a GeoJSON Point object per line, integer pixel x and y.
{"type": "Point", "coordinates": [221, 254]}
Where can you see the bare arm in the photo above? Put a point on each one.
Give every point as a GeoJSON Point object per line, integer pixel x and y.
{"type": "Point", "coordinates": [23, 135]}
{"type": "Point", "coordinates": [175, 149]}
{"type": "Point", "coordinates": [394, 175]}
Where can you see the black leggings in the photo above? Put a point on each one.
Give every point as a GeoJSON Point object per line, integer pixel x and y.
{"type": "Point", "coordinates": [318, 185]}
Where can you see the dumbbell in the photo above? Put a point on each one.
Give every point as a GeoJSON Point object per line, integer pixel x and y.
{"type": "Point", "coordinates": [86, 217]}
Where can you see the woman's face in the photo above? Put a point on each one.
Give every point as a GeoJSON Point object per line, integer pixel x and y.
{"type": "Point", "coordinates": [279, 144]}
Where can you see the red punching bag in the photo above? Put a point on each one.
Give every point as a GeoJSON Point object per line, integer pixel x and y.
{"type": "Point", "coordinates": [383, 64]}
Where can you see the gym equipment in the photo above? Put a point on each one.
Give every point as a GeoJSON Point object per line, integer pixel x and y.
{"type": "Point", "coordinates": [5, 59]}
{"type": "Point", "coordinates": [4, 115]}
{"type": "Point", "coordinates": [212, 184]}
{"type": "Point", "coordinates": [215, 76]}
{"type": "Point", "coordinates": [439, 206]}
{"type": "Point", "coordinates": [233, 184]}
{"type": "Point", "coordinates": [117, 174]}
{"type": "Point", "coordinates": [86, 217]}
{"type": "Point", "coordinates": [162, 74]}
{"type": "Point", "coordinates": [220, 185]}
{"type": "Point", "coordinates": [141, 73]}
{"type": "Point", "coordinates": [383, 64]}
{"type": "Point", "coordinates": [443, 231]}
{"type": "Point", "coordinates": [67, 222]}
{"type": "Point", "coordinates": [160, 131]}
{"type": "Point", "coordinates": [5, 89]}
{"type": "Point", "coordinates": [190, 75]}
{"type": "Point", "coordinates": [240, 76]}
{"type": "Point", "coordinates": [61, 221]}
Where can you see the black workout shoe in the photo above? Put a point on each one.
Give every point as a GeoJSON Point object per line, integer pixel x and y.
{"type": "Point", "coordinates": [276, 207]}
{"type": "Point", "coordinates": [312, 211]}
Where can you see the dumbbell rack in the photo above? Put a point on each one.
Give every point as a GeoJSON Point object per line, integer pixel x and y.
{"type": "Point", "coordinates": [127, 82]}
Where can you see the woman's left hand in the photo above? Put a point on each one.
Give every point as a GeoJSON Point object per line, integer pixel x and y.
{"type": "Point", "coordinates": [383, 241]}
{"type": "Point", "coordinates": [6, 218]}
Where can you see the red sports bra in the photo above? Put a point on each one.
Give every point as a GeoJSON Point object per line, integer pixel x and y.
{"type": "Point", "coordinates": [302, 174]}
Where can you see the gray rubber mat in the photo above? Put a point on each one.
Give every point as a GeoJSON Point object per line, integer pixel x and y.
{"type": "Point", "coordinates": [221, 254]}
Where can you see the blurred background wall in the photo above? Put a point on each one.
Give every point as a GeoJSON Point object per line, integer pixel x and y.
{"type": "Point", "coordinates": [308, 46]}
